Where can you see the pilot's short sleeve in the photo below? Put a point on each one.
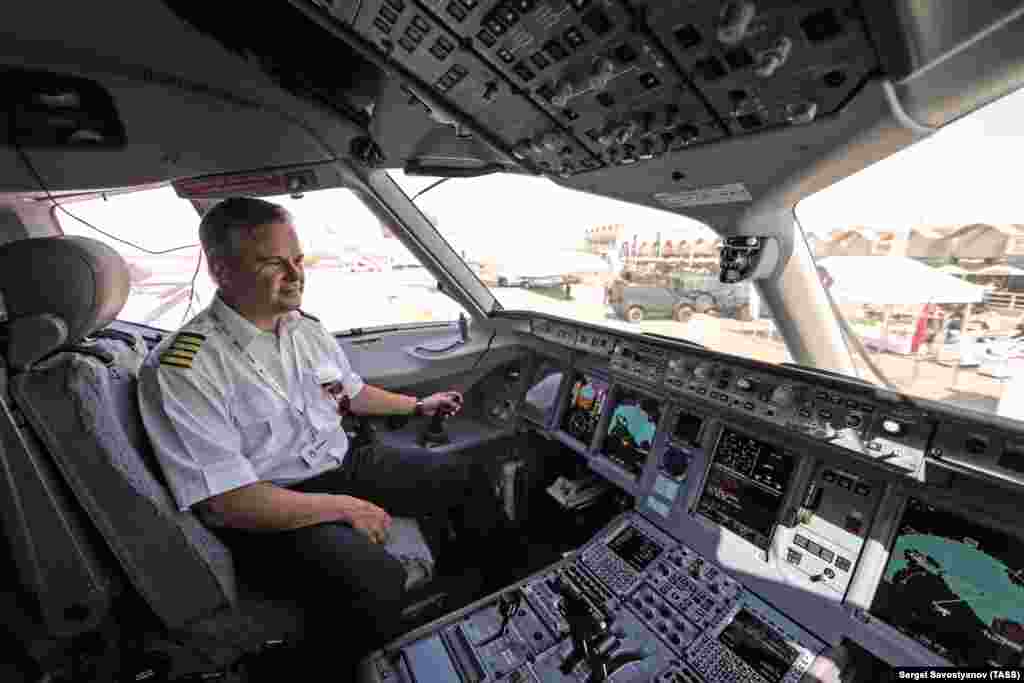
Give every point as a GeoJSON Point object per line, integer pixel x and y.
{"type": "Point", "coordinates": [196, 442]}
{"type": "Point", "coordinates": [352, 382]}
{"type": "Point", "coordinates": [326, 342]}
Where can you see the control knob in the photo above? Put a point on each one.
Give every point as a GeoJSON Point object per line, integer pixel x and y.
{"type": "Point", "coordinates": [704, 372]}
{"type": "Point", "coordinates": [647, 149]}
{"type": "Point", "coordinates": [626, 131]}
{"type": "Point", "coordinates": [784, 395]}
{"type": "Point", "coordinates": [601, 73]}
{"type": "Point", "coordinates": [551, 141]}
{"type": "Point", "coordinates": [744, 384]}
{"type": "Point", "coordinates": [564, 91]}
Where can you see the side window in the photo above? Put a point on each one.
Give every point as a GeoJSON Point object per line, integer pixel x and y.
{"type": "Point", "coordinates": [164, 231]}
{"type": "Point", "coordinates": [357, 273]}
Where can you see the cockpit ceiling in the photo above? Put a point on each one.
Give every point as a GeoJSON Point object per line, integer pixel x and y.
{"type": "Point", "coordinates": [698, 108]}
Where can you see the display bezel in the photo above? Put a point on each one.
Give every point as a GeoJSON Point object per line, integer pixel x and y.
{"type": "Point", "coordinates": [949, 507]}
{"type": "Point", "coordinates": [564, 406]}
{"type": "Point", "coordinates": [709, 466]}
{"type": "Point", "coordinates": [664, 409]}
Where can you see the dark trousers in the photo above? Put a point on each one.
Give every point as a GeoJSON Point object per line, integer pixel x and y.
{"type": "Point", "coordinates": [352, 590]}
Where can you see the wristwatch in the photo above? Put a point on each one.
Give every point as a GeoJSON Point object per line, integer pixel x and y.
{"type": "Point", "coordinates": [417, 410]}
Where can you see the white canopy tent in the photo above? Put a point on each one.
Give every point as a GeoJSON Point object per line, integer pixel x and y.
{"type": "Point", "coordinates": [895, 280]}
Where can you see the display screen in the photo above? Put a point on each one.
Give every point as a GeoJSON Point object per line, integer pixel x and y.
{"type": "Point", "coordinates": [956, 586]}
{"type": "Point", "coordinates": [631, 430]}
{"type": "Point", "coordinates": [635, 548]}
{"type": "Point", "coordinates": [542, 396]}
{"type": "Point", "coordinates": [759, 646]}
{"type": "Point", "coordinates": [745, 487]}
{"type": "Point", "coordinates": [687, 429]}
{"type": "Point", "coordinates": [586, 399]}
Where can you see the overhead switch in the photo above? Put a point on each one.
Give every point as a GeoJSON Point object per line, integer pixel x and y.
{"type": "Point", "coordinates": [734, 21]}
{"type": "Point", "coordinates": [564, 92]}
{"type": "Point", "coordinates": [602, 73]}
{"type": "Point", "coordinates": [801, 113]}
{"type": "Point", "coordinates": [769, 61]}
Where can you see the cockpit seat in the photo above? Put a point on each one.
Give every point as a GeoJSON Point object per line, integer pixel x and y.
{"type": "Point", "coordinates": [75, 383]}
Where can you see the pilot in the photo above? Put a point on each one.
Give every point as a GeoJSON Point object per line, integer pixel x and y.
{"type": "Point", "coordinates": [242, 406]}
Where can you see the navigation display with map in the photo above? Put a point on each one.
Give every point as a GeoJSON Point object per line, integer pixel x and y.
{"type": "Point", "coordinates": [586, 399]}
{"type": "Point", "coordinates": [955, 586]}
{"type": "Point", "coordinates": [631, 430]}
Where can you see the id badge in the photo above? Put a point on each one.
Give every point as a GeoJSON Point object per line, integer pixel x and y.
{"type": "Point", "coordinates": [316, 453]}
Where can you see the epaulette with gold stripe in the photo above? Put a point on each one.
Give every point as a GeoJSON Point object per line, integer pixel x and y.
{"type": "Point", "coordinates": [182, 350]}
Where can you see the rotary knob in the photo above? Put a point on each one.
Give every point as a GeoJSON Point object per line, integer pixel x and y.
{"type": "Point", "coordinates": [744, 384]}
{"type": "Point", "coordinates": [626, 132]}
{"type": "Point", "coordinates": [564, 91]}
{"type": "Point", "coordinates": [551, 141]}
{"type": "Point", "coordinates": [784, 395]}
{"type": "Point", "coordinates": [704, 372]}
{"type": "Point", "coordinates": [601, 73]}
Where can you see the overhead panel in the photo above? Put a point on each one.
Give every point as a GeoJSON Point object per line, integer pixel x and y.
{"type": "Point", "coordinates": [570, 86]}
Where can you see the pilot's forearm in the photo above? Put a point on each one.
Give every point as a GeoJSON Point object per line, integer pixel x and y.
{"type": "Point", "coordinates": [373, 400]}
{"type": "Point", "coordinates": [265, 507]}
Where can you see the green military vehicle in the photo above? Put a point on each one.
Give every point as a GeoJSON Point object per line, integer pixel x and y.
{"type": "Point", "coordinates": [636, 297]}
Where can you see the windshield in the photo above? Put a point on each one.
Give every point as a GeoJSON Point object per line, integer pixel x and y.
{"type": "Point", "coordinates": [923, 254]}
{"type": "Point", "coordinates": [544, 248]}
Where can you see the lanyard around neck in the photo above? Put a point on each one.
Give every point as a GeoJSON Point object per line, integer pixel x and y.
{"type": "Point", "coordinates": [260, 369]}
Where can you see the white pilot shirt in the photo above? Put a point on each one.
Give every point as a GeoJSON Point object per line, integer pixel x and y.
{"type": "Point", "coordinates": [222, 412]}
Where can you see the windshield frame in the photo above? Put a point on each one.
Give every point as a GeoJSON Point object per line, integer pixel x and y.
{"type": "Point", "coordinates": [379, 191]}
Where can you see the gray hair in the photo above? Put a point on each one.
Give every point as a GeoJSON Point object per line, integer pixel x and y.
{"type": "Point", "coordinates": [226, 223]}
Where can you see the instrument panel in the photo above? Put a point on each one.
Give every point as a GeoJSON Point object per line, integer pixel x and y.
{"type": "Point", "coordinates": [792, 481]}
{"type": "Point", "coordinates": [756, 543]}
{"type": "Point", "coordinates": [571, 86]}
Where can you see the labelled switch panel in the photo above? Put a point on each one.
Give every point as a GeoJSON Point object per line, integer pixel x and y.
{"type": "Point", "coordinates": [763, 63]}
{"type": "Point", "coordinates": [832, 521]}
{"type": "Point", "coordinates": [570, 86]}
{"type": "Point", "coordinates": [414, 37]}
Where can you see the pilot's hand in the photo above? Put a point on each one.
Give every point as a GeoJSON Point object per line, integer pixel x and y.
{"type": "Point", "coordinates": [448, 401]}
{"type": "Point", "coordinates": [366, 517]}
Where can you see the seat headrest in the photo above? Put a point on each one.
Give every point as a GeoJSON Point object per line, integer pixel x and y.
{"type": "Point", "coordinates": [58, 290]}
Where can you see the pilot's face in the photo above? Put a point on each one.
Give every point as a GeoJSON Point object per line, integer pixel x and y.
{"type": "Point", "coordinates": [266, 276]}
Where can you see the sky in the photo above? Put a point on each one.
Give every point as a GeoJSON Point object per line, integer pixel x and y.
{"type": "Point", "coordinates": [964, 173]}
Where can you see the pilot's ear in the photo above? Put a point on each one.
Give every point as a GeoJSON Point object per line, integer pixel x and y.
{"type": "Point", "coordinates": [220, 272]}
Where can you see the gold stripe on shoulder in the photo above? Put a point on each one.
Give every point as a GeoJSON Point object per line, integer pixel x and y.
{"type": "Point", "coordinates": [178, 355]}
{"type": "Point", "coordinates": [195, 335]}
{"type": "Point", "coordinates": [175, 362]}
{"type": "Point", "coordinates": [184, 346]}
